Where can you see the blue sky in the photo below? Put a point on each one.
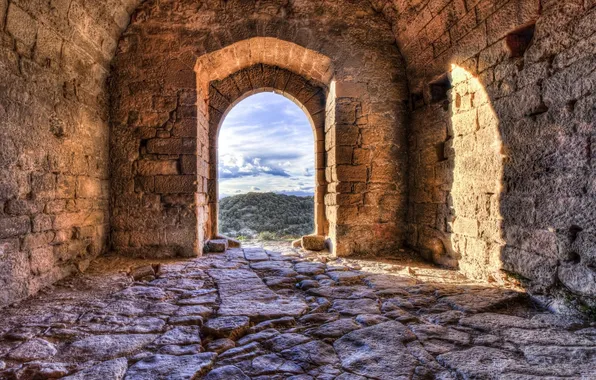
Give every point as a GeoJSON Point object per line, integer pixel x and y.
{"type": "Point", "coordinates": [266, 144]}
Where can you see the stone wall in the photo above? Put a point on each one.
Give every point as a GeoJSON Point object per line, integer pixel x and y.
{"type": "Point", "coordinates": [54, 61]}
{"type": "Point", "coordinates": [501, 137]}
{"type": "Point", "coordinates": [160, 108]}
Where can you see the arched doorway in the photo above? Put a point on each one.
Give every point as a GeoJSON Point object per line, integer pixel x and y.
{"type": "Point", "coordinates": [309, 96]}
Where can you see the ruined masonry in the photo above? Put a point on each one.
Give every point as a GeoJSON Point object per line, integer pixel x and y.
{"type": "Point", "coordinates": [458, 132]}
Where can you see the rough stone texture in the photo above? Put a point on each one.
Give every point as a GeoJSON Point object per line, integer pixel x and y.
{"type": "Point", "coordinates": [171, 367]}
{"type": "Point", "coordinates": [54, 152]}
{"type": "Point", "coordinates": [378, 351]}
{"type": "Point", "coordinates": [110, 370]}
{"type": "Point", "coordinates": [420, 332]}
{"type": "Point", "coordinates": [104, 347]}
{"type": "Point", "coordinates": [217, 245]}
{"type": "Point", "coordinates": [34, 349]}
{"type": "Point", "coordinates": [313, 243]}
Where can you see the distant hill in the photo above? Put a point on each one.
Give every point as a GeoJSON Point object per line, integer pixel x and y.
{"type": "Point", "coordinates": [266, 214]}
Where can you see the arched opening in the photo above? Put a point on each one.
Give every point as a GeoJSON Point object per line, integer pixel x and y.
{"type": "Point", "coordinates": [308, 98]}
{"type": "Point", "coordinates": [266, 166]}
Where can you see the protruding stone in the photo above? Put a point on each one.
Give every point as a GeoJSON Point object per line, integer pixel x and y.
{"type": "Point", "coordinates": [104, 347]}
{"type": "Point", "coordinates": [314, 243]}
{"type": "Point", "coordinates": [34, 349]}
{"type": "Point", "coordinates": [42, 370]}
{"type": "Point", "coordinates": [228, 372]}
{"type": "Point", "coordinates": [178, 350]}
{"type": "Point", "coordinates": [335, 329]}
{"type": "Point", "coordinates": [143, 273]}
{"type": "Point", "coordinates": [311, 354]}
{"type": "Point", "coordinates": [232, 327]}
{"type": "Point", "coordinates": [180, 335]}
{"type": "Point", "coordinates": [158, 367]}
{"type": "Point", "coordinates": [377, 351]}
{"type": "Point", "coordinates": [345, 277]}
{"type": "Point", "coordinates": [220, 345]}
{"type": "Point", "coordinates": [110, 370]}
{"type": "Point", "coordinates": [355, 307]}
{"type": "Point", "coordinates": [217, 245]}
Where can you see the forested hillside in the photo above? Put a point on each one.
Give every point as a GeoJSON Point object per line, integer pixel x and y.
{"type": "Point", "coordinates": [266, 214]}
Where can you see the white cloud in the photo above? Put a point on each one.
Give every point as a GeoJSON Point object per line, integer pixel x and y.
{"type": "Point", "coordinates": [266, 141]}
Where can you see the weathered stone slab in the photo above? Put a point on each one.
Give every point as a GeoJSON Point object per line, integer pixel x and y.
{"type": "Point", "coordinates": [311, 354]}
{"type": "Point", "coordinates": [430, 331]}
{"type": "Point", "coordinates": [255, 255]}
{"type": "Point", "coordinates": [358, 306]}
{"type": "Point", "coordinates": [497, 322]}
{"type": "Point", "coordinates": [104, 347]}
{"type": "Point", "coordinates": [180, 335]}
{"type": "Point", "coordinates": [478, 362]}
{"type": "Point", "coordinates": [343, 292]}
{"type": "Point", "coordinates": [243, 293]}
{"type": "Point", "coordinates": [142, 292]}
{"type": "Point", "coordinates": [378, 351]}
{"type": "Point", "coordinates": [171, 367]}
{"type": "Point", "coordinates": [310, 269]}
{"type": "Point", "coordinates": [110, 370]}
{"type": "Point", "coordinates": [345, 277]}
{"type": "Point", "coordinates": [284, 341]}
{"type": "Point", "coordinates": [228, 372]}
{"type": "Point", "coordinates": [231, 327]}
{"type": "Point", "coordinates": [479, 300]}
{"type": "Point", "coordinates": [34, 349]}
{"type": "Point", "coordinates": [548, 337]}
{"type": "Point", "coordinates": [335, 329]}
{"type": "Point", "coordinates": [220, 345]}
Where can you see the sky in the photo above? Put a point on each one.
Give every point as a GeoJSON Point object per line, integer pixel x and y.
{"type": "Point", "coordinates": [266, 144]}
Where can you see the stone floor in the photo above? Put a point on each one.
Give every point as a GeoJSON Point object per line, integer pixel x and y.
{"type": "Point", "coordinates": [283, 313]}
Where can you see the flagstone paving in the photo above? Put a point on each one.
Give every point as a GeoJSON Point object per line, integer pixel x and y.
{"type": "Point", "coordinates": [285, 313]}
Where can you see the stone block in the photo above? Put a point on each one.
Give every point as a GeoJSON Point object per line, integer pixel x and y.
{"type": "Point", "coordinates": [513, 15]}
{"type": "Point", "coordinates": [314, 243]}
{"type": "Point", "coordinates": [217, 245]}
{"type": "Point", "coordinates": [151, 168]}
{"type": "Point", "coordinates": [48, 46]}
{"type": "Point", "coordinates": [465, 226]}
{"type": "Point", "coordinates": [22, 207]}
{"type": "Point", "coordinates": [21, 25]}
{"type": "Point", "coordinates": [42, 260]}
{"type": "Point", "coordinates": [176, 184]}
{"type": "Point", "coordinates": [43, 186]}
{"type": "Point", "coordinates": [172, 146]}
{"type": "Point", "coordinates": [38, 240]}
{"type": "Point", "coordinates": [3, 9]}
{"type": "Point", "coordinates": [188, 164]}
{"type": "Point", "coordinates": [16, 226]}
{"type": "Point", "coordinates": [185, 128]}
{"type": "Point", "coordinates": [88, 187]}
{"type": "Point", "coordinates": [145, 272]}
{"type": "Point", "coordinates": [65, 186]}
{"type": "Point", "coordinates": [42, 223]}
{"type": "Point", "coordinates": [349, 173]}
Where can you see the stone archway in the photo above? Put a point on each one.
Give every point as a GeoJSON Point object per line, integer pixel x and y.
{"type": "Point", "coordinates": [310, 96]}
{"type": "Point", "coordinates": [163, 188]}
